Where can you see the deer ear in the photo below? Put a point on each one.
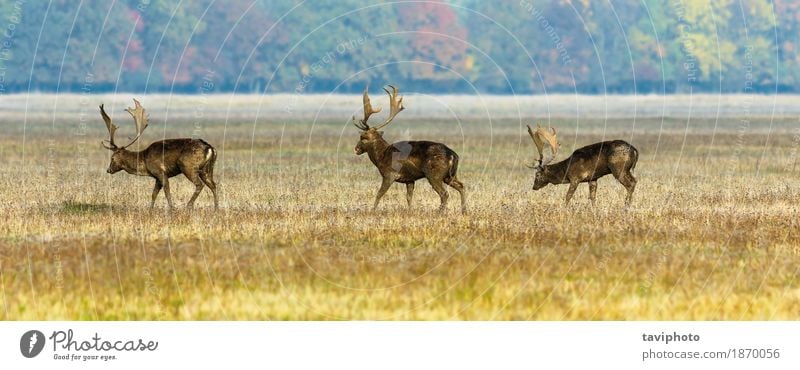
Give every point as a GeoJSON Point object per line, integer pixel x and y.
{"type": "Point", "coordinates": [380, 133]}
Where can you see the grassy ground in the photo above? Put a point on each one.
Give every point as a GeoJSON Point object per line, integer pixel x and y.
{"type": "Point", "coordinates": [713, 232]}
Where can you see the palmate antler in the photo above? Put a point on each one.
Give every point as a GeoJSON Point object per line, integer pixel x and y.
{"type": "Point", "coordinates": [112, 128]}
{"type": "Point", "coordinates": [395, 107]}
{"type": "Point", "coordinates": [368, 111]}
{"type": "Point", "coordinates": [140, 118]}
{"type": "Point", "coordinates": [540, 135]}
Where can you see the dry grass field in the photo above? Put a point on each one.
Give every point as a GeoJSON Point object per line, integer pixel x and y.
{"type": "Point", "coordinates": [712, 233]}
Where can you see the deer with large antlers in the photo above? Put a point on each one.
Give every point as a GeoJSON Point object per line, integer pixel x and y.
{"type": "Point", "coordinates": [406, 161]}
{"type": "Point", "coordinates": [586, 164]}
{"type": "Point", "coordinates": [163, 159]}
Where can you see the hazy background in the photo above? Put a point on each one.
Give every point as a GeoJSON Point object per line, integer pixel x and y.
{"type": "Point", "coordinates": [459, 46]}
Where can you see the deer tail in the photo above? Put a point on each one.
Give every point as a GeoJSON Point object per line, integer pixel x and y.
{"type": "Point", "coordinates": [634, 157]}
{"type": "Point", "coordinates": [211, 158]}
{"type": "Point", "coordinates": [453, 165]}
{"type": "Point", "coordinates": [210, 154]}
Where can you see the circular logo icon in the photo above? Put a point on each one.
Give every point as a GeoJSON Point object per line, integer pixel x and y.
{"type": "Point", "coordinates": [31, 343]}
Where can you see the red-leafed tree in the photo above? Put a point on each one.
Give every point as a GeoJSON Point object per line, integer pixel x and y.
{"type": "Point", "coordinates": [437, 39]}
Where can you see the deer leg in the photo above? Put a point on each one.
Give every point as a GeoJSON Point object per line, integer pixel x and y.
{"type": "Point", "coordinates": [198, 188]}
{"type": "Point", "coordinates": [592, 191]}
{"type": "Point", "coordinates": [455, 184]}
{"type": "Point", "coordinates": [165, 182]}
{"type": "Point", "coordinates": [194, 177]}
{"type": "Point", "coordinates": [387, 182]}
{"type": "Point", "coordinates": [156, 189]}
{"type": "Point", "coordinates": [572, 187]}
{"type": "Point", "coordinates": [208, 179]}
{"type": "Point", "coordinates": [409, 193]}
{"type": "Point", "coordinates": [438, 187]}
{"type": "Point", "coordinates": [629, 182]}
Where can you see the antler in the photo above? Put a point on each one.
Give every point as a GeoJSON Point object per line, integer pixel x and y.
{"type": "Point", "coordinates": [140, 118]}
{"type": "Point", "coordinates": [368, 111]}
{"type": "Point", "coordinates": [395, 105]}
{"type": "Point", "coordinates": [539, 136]}
{"type": "Point", "coordinates": [111, 129]}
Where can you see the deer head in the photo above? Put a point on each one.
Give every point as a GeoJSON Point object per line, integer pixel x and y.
{"type": "Point", "coordinates": [540, 136]}
{"type": "Point", "coordinates": [140, 118]}
{"type": "Point", "coordinates": [370, 135]}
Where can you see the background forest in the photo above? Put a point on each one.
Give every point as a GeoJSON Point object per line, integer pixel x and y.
{"type": "Point", "coordinates": [457, 46]}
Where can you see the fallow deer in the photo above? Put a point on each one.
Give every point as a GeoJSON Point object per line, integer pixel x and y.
{"type": "Point", "coordinates": [163, 159]}
{"type": "Point", "coordinates": [406, 161]}
{"type": "Point", "coordinates": [586, 164]}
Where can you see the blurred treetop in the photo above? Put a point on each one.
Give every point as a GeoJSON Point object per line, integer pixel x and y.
{"type": "Point", "coordinates": [457, 46]}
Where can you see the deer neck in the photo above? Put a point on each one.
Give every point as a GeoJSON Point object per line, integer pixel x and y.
{"type": "Point", "coordinates": [376, 151]}
{"type": "Point", "coordinates": [133, 163]}
{"type": "Point", "coordinates": [557, 173]}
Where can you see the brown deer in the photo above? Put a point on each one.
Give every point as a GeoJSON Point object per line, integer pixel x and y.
{"type": "Point", "coordinates": [406, 161]}
{"type": "Point", "coordinates": [586, 164]}
{"type": "Point", "coordinates": [163, 159]}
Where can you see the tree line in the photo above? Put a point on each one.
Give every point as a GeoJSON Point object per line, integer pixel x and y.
{"type": "Point", "coordinates": [457, 46]}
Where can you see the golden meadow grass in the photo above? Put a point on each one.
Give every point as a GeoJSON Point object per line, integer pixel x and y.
{"type": "Point", "coordinates": [712, 233]}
